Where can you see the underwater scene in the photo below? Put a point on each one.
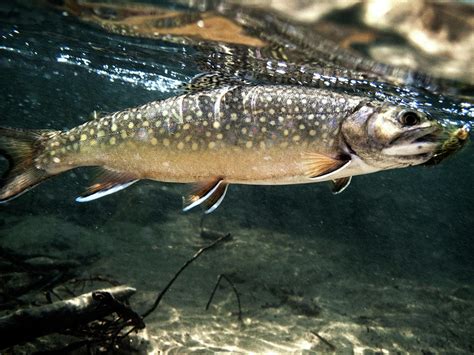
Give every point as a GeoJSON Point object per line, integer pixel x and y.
{"type": "Point", "coordinates": [210, 176]}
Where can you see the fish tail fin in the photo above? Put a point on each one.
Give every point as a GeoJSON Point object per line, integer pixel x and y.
{"type": "Point", "coordinates": [21, 148]}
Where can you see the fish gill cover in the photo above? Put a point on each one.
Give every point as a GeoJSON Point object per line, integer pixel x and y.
{"type": "Point", "coordinates": [386, 265]}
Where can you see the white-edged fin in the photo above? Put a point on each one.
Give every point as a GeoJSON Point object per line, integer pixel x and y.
{"type": "Point", "coordinates": [340, 185]}
{"type": "Point", "coordinates": [17, 195]}
{"type": "Point", "coordinates": [321, 167]}
{"type": "Point", "coordinates": [110, 189]}
{"type": "Point", "coordinates": [107, 182]}
{"type": "Point", "coordinates": [219, 195]}
{"type": "Point", "coordinates": [201, 193]}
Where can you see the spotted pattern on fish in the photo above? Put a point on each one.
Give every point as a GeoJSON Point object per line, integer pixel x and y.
{"type": "Point", "coordinates": [241, 117]}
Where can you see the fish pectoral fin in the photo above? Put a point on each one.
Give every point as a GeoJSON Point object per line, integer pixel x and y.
{"type": "Point", "coordinates": [212, 80]}
{"type": "Point", "coordinates": [209, 194]}
{"type": "Point", "coordinates": [107, 182]}
{"type": "Point", "coordinates": [320, 166]}
{"type": "Point", "coordinates": [339, 185]}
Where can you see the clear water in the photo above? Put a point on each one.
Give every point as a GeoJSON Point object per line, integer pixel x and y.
{"type": "Point", "coordinates": [386, 265]}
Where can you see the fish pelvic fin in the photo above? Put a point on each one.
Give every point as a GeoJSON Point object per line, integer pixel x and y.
{"type": "Point", "coordinates": [209, 194]}
{"type": "Point", "coordinates": [320, 166]}
{"type": "Point", "coordinates": [106, 183]}
{"type": "Point", "coordinates": [339, 185]}
{"type": "Point", "coordinates": [21, 148]}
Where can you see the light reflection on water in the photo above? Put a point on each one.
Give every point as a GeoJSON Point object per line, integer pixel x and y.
{"type": "Point", "coordinates": [159, 66]}
{"type": "Point", "coordinates": [264, 336]}
{"type": "Point", "coordinates": [147, 80]}
{"type": "Point", "coordinates": [151, 66]}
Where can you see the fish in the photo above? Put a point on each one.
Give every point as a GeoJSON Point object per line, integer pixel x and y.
{"type": "Point", "coordinates": [219, 132]}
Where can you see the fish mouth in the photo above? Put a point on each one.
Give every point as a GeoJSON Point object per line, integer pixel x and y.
{"type": "Point", "coordinates": [418, 134]}
{"type": "Point", "coordinates": [419, 142]}
{"type": "Point", "coordinates": [456, 139]}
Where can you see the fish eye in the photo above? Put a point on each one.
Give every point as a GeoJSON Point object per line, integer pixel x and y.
{"type": "Point", "coordinates": [409, 118]}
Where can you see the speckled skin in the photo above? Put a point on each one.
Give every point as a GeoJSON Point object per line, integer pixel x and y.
{"type": "Point", "coordinates": [245, 134]}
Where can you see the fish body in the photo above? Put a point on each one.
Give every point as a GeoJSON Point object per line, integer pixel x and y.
{"type": "Point", "coordinates": [232, 134]}
{"type": "Point", "coordinates": [250, 135]}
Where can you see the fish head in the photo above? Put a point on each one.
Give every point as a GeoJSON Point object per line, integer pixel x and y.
{"type": "Point", "coordinates": [387, 137]}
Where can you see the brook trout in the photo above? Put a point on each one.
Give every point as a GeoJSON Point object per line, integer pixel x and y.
{"type": "Point", "coordinates": [231, 134]}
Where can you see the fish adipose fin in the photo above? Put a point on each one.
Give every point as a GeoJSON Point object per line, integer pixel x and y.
{"type": "Point", "coordinates": [340, 185]}
{"type": "Point", "coordinates": [107, 182]}
{"type": "Point", "coordinates": [209, 81]}
{"type": "Point", "coordinates": [209, 194]}
{"type": "Point", "coordinates": [320, 166]}
{"type": "Point", "coordinates": [21, 148]}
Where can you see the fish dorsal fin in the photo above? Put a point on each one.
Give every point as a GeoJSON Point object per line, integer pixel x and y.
{"type": "Point", "coordinates": [209, 194]}
{"type": "Point", "coordinates": [95, 115]}
{"type": "Point", "coordinates": [107, 182]}
{"type": "Point", "coordinates": [339, 185]}
{"type": "Point", "coordinates": [320, 166]}
{"type": "Point", "coordinates": [209, 81]}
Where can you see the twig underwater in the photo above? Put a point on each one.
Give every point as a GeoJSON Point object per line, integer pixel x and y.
{"type": "Point", "coordinates": [186, 264]}
{"type": "Point", "coordinates": [168, 286]}
{"type": "Point", "coordinates": [30, 323]}
{"type": "Point", "coordinates": [219, 278]}
{"type": "Point", "coordinates": [325, 341]}
{"type": "Point", "coordinates": [207, 233]}
{"type": "Point", "coordinates": [87, 316]}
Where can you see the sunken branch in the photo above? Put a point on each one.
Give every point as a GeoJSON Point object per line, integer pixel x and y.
{"type": "Point", "coordinates": [30, 323]}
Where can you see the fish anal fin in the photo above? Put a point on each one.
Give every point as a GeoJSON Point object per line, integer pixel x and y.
{"type": "Point", "coordinates": [107, 182]}
{"type": "Point", "coordinates": [208, 194]}
{"type": "Point", "coordinates": [339, 185]}
{"type": "Point", "coordinates": [321, 166]}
